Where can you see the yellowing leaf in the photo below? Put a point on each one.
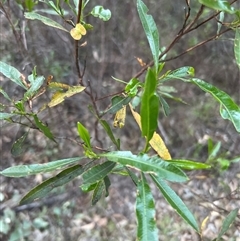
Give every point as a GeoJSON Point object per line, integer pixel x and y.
{"type": "Point", "coordinates": [119, 120]}
{"type": "Point", "coordinates": [204, 223]}
{"type": "Point", "coordinates": [59, 97]}
{"type": "Point", "coordinates": [156, 142]}
{"type": "Point", "coordinates": [78, 31]}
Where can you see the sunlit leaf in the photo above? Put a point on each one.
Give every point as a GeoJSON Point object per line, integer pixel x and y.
{"type": "Point", "coordinates": [189, 165]}
{"type": "Point", "coordinates": [98, 172]}
{"type": "Point", "coordinates": [156, 142]}
{"type": "Point", "coordinates": [100, 12]}
{"type": "Point", "coordinates": [175, 201]}
{"type": "Point", "coordinates": [131, 88]}
{"type": "Point", "coordinates": [59, 97]}
{"type": "Point", "coordinates": [26, 170]}
{"type": "Point", "coordinates": [45, 20]}
{"type": "Point", "coordinates": [78, 31]}
{"type": "Point", "coordinates": [227, 222]}
{"type": "Point", "coordinates": [150, 30]}
{"type": "Point", "coordinates": [84, 134]}
{"type": "Point", "coordinates": [237, 46]}
{"type": "Point", "coordinates": [12, 73]}
{"type": "Point", "coordinates": [147, 164]}
{"type": "Point", "coordinates": [145, 211]}
{"type": "Point", "coordinates": [18, 146]}
{"type": "Point", "coordinates": [61, 179]}
{"type": "Point", "coordinates": [219, 5]}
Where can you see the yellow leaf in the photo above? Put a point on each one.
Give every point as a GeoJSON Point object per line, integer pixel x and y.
{"type": "Point", "coordinates": [119, 120]}
{"type": "Point", "coordinates": [156, 142]}
{"type": "Point", "coordinates": [59, 97]}
{"type": "Point", "coordinates": [78, 31]}
{"type": "Point", "coordinates": [203, 224]}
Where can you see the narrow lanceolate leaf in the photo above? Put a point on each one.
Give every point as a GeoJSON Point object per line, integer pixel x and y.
{"type": "Point", "coordinates": [45, 20]}
{"type": "Point", "coordinates": [189, 165]}
{"type": "Point", "coordinates": [44, 128]}
{"type": "Point", "coordinates": [35, 86]}
{"type": "Point", "coordinates": [229, 109]}
{"type": "Point", "coordinates": [59, 97]}
{"type": "Point", "coordinates": [227, 222]}
{"type": "Point", "coordinates": [219, 5]}
{"type": "Point", "coordinates": [18, 146]}
{"type": "Point", "coordinates": [183, 72]}
{"type": "Point", "coordinates": [12, 73]}
{"type": "Point", "coordinates": [5, 116]}
{"type": "Point", "coordinates": [44, 188]}
{"type": "Point", "coordinates": [117, 103]}
{"type": "Point", "coordinates": [145, 211]}
{"type": "Point", "coordinates": [150, 30]}
{"type": "Point", "coordinates": [84, 134]}
{"type": "Point", "coordinates": [5, 94]}
{"type": "Point", "coordinates": [98, 172]}
{"type": "Point", "coordinates": [175, 201]}
{"type": "Point", "coordinates": [98, 192]}
{"type": "Point", "coordinates": [147, 164]}
{"type": "Point", "coordinates": [26, 170]}
{"type": "Point", "coordinates": [109, 132]}
{"type": "Point", "coordinates": [149, 106]}
{"type": "Point", "coordinates": [156, 142]}
{"type": "Point", "coordinates": [237, 46]}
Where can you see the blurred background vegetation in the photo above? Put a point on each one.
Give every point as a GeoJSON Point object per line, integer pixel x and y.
{"type": "Point", "coordinates": [111, 50]}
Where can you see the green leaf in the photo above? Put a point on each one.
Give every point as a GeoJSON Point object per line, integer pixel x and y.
{"type": "Point", "coordinates": [227, 222]}
{"type": "Point", "coordinates": [100, 12]}
{"type": "Point", "coordinates": [189, 165]}
{"type": "Point", "coordinates": [61, 179]}
{"type": "Point", "coordinates": [150, 30]}
{"type": "Point", "coordinates": [88, 187]}
{"type": "Point", "coordinates": [214, 151]}
{"type": "Point", "coordinates": [117, 103]}
{"type": "Point", "coordinates": [18, 146]}
{"type": "Point", "coordinates": [98, 191]}
{"type": "Point", "coordinates": [237, 46]}
{"type": "Point", "coordinates": [12, 73]}
{"type": "Point", "coordinates": [84, 134]}
{"type": "Point", "coordinates": [183, 72]}
{"type": "Point", "coordinates": [165, 105]}
{"type": "Point", "coordinates": [175, 201]}
{"type": "Point", "coordinates": [107, 184]}
{"type": "Point", "coordinates": [108, 130]}
{"type": "Point", "coordinates": [5, 116]}
{"type": "Point", "coordinates": [149, 106]}
{"type": "Point", "coordinates": [26, 170]}
{"type": "Point", "coordinates": [131, 88]}
{"type": "Point", "coordinates": [145, 212]}
{"type": "Point", "coordinates": [219, 5]}
{"type": "Point", "coordinates": [98, 172]}
{"type": "Point", "coordinates": [35, 86]}
{"type": "Point", "coordinates": [229, 109]}
{"type": "Point", "coordinates": [44, 128]}
{"type": "Point", "coordinates": [45, 20]}
{"type": "Point", "coordinates": [148, 164]}
{"type": "Point", "coordinates": [5, 94]}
